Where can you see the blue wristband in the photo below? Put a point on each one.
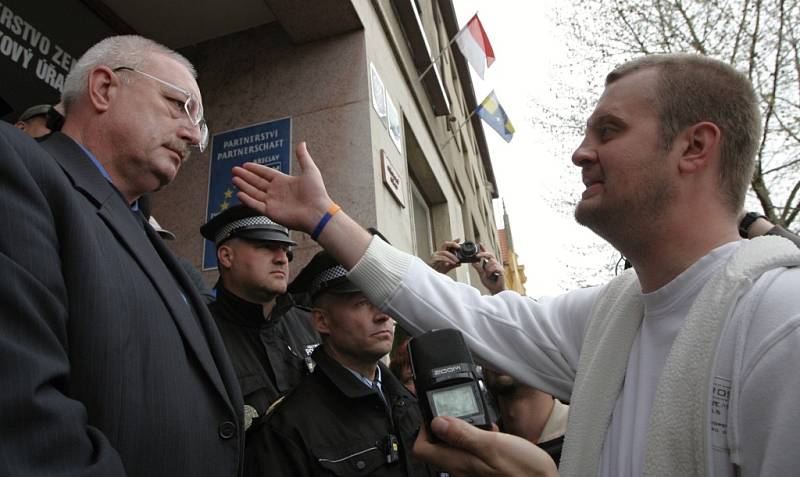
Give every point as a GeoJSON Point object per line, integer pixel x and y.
{"type": "Point", "coordinates": [332, 210]}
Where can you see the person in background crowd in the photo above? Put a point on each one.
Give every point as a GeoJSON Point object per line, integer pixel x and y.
{"type": "Point", "coordinates": [351, 416]}
{"type": "Point", "coordinates": [753, 224]}
{"type": "Point", "coordinates": [489, 270]}
{"type": "Point", "coordinates": [55, 117]}
{"type": "Point", "coordinates": [268, 338]}
{"type": "Point", "coordinates": [109, 359]}
{"type": "Point", "coordinates": [529, 413]}
{"type": "Point", "coordinates": [33, 121]}
{"type": "Point", "coordinates": [682, 365]}
{"type": "Point", "coordinates": [400, 365]}
{"type": "Point", "coordinates": [524, 410]}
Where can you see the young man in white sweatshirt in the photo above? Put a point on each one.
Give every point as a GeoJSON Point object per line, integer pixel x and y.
{"type": "Point", "coordinates": [668, 365]}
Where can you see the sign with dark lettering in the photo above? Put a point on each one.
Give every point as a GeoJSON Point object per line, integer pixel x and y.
{"type": "Point", "coordinates": [265, 143]}
{"type": "Point", "coordinates": [392, 179]}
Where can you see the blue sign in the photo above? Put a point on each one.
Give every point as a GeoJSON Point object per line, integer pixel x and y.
{"type": "Point", "coordinates": [266, 143]}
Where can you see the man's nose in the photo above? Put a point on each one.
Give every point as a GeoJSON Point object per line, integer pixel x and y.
{"type": "Point", "coordinates": [281, 255]}
{"type": "Point", "coordinates": [380, 316]}
{"type": "Point", "coordinates": [584, 155]}
{"type": "Point", "coordinates": [189, 133]}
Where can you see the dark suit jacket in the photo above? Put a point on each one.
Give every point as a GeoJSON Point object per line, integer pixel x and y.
{"type": "Point", "coordinates": [109, 361]}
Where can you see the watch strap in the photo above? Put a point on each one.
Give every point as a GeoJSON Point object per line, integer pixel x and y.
{"type": "Point", "coordinates": [747, 221]}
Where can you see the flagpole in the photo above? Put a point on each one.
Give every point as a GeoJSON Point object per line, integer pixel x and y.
{"type": "Point", "coordinates": [459, 127]}
{"type": "Point", "coordinates": [439, 56]}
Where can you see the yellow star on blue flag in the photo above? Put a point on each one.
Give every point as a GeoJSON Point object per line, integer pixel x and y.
{"type": "Point", "coordinates": [495, 116]}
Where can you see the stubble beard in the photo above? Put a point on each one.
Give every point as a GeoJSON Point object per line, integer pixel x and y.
{"type": "Point", "coordinates": [627, 221]}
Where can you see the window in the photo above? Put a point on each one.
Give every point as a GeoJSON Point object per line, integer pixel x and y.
{"type": "Point", "coordinates": [421, 215]}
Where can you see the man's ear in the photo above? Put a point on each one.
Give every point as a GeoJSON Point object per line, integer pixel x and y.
{"type": "Point", "coordinates": [701, 143]}
{"type": "Point", "coordinates": [320, 319]}
{"type": "Point", "coordinates": [102, 83]}
{"type": "Point", "coordinates": [225, 256]}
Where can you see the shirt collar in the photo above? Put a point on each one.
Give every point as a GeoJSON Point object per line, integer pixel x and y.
{"type": "Point", "coordinates": [370, 384]}
{"type": "Point", "coordinates": [135, 205]}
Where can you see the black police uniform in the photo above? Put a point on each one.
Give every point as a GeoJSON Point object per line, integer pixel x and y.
{"type": "Point", "coordinates": [332, 424]}
{"type": "Point", "coordinates": [270, 354]}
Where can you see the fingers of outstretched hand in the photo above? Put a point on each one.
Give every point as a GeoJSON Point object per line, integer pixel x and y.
{"type": "Point", "coordinates": [251, 202]}
{"type": "Point", "coordinates": [252, 188]}
{"type": "Point", "coordinates": [252, 179]}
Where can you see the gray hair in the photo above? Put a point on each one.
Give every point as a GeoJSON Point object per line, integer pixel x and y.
{"type": "Point", "coordinates": [693, 89]}
{"type": "Point", "coordinates": [132, 51]}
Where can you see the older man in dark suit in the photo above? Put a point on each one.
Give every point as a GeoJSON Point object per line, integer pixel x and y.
{"type": "Point", "coordinates": [109, 361]}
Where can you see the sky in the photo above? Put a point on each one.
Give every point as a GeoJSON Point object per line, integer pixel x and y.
{"type": "Point", "coordinates": [534, 172]}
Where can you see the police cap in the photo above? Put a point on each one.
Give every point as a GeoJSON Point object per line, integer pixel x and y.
{"type": "Point", "coordinates": [241, 221]}
{"type": "Point", "coordinates": [323, 274]}
{"type": "Point", "coordinates": [33, 111]}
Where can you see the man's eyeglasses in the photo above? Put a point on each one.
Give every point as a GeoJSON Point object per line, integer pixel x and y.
{"type": "Point", "coordinates": [193, 107]}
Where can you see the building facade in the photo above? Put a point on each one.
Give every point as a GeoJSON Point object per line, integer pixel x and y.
{"type": "Point", "coordinates": [397, 149]}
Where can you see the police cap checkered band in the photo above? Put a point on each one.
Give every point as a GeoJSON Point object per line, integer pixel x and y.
{"type": "Point", "coordinates": [324, 279]}
{"type": "Point", "coordinates": [248, 223]}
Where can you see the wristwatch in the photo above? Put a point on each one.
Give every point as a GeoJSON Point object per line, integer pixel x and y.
{"type": "Point", "coordinates": [747, 221]}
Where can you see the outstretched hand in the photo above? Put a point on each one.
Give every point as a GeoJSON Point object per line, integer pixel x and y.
{"type": "Point", "coordinates": [469, 451]}
{"type": "Point", "coordinates": [297, 202]}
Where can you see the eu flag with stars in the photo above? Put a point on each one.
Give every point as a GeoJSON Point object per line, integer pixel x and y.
{"type": "Point", "coordinates": [490, 111]}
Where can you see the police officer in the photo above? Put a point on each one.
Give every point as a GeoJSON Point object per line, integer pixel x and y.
{"type": "Point", "coordinates": [268, 338]}
{"type": "Point", "coordinates": [351, 416]}
{"type": "Point", "coordinates": [34, 120]}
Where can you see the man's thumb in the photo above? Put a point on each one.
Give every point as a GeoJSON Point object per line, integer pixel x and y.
{"type": "Point", "coordinates": [456, 432]}
{"type": "Point", "coordinates": [303, 157]}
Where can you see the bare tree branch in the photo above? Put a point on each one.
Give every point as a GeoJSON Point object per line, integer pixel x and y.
{"type": "Point", "coordinates": [739, 32]}
{"type": "Point", "coordinates": [754, 41]}
{"type": "Point", "coordinates": [642, 48]}
{"type": "Point", "coordinates": [697, 44]}
{"type": "Point", "coordinates": [762, 192]}
{"type": "Point", "coordinates": [789, 218]}
{"type": "Point", "coordinates": [781, 167]}
{"type": "Point", "coordinates": [667, 30]}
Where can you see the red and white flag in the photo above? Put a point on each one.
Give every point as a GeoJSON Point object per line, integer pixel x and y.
{"type": "Point", "coordinates": [474, 44]}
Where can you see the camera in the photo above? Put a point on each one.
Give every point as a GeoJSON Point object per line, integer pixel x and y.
{"type": "Point", "coordinates": [447, 380]}
{"type": "Point", "coordinates": [467, 252]}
